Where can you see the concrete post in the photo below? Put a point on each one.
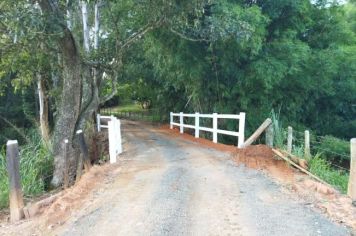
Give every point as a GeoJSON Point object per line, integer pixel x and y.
{"type": "Point", "coordinates": [270, 136]}
{"type": "Point", "coordinates": [351, 190]}
{"type": "Point", "coordinates": [15, 190]}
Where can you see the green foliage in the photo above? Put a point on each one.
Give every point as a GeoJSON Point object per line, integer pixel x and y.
{"type": "Point", "coordinates": [298, 57]}
{"type": "Point", "coordinates": [335, 149]}
{"type": "Point", "coordinates": [322, 168]}
{"type": "Point", "coordinates": [36, 168]}
{"type": "Point", "coordinates": [280, 134]}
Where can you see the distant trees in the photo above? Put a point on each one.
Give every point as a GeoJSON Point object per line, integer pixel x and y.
{"type": "Point", "coordinates": [255, 56]}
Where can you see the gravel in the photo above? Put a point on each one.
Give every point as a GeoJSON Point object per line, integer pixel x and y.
{"type": "Point", "coordinates": [171, 186]}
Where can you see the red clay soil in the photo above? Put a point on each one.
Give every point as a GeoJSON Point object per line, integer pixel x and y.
{"type": "Point", "coordinates": [204, 142]}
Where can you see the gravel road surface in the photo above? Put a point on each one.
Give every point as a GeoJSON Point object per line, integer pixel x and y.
{"type": "Point", "coordinates": [171, 186]}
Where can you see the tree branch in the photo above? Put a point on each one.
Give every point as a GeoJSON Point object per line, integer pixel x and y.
{"type": "Point", "coordinates": [188, 38]}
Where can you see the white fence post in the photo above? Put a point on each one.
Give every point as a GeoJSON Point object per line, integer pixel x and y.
{"type": "Point", "coordinates": [98, 122]}
{"type": "Point", "coordinates": [241, 139]}
{"type": "Point", "coordinates": [215, 127]}
{"type": "Point", "coordinates": [181, 122]}
{"type": "Point", "coordinates": [112, 142]}
{"type": "Point", "coordinates": [197, 124]}
{"type": "Point", "coordinates": [119, 141]}
{"type": "Point", "coordinates": [171, 120]}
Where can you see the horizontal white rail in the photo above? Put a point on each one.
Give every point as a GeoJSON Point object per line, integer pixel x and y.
{"type": "Point", "coordinates": [240, 133]}
{"type": "Point", "coordinates": [219, 116]}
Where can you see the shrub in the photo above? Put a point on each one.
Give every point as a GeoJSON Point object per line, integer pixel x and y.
{"type": "Point", "coordinates": [321, 168]}
{"type": "Point", "coordinates": [36, 168]}
{"type": "Point", "coordinates": [335, 149]}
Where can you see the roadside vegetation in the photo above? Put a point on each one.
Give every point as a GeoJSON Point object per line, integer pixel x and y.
{"type": "Point", "coordinates": [330, 156]}
{"type": "Point", "coordinates": [36, 168]}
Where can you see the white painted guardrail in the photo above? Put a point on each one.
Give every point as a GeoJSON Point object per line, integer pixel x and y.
{"type": "Point", "coordinates": [114, 131]}
{"type": "Point", "coordinates": [215, 130]}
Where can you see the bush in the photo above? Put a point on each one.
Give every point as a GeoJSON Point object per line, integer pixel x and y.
{"type": "Point", "coordinates": [335, 149]}
{"type": "Point", "coordinates": [321, 168]}
{"type": "Point", "coordinates": [36, 168]}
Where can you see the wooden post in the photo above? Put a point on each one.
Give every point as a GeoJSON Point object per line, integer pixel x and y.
{"type": "Point", "coordinates": [197, 124]}
{"type": "Point", "coordinates": [269, 136]}
{"type": "Point", "coordinates": [351, 190]}
{"type": "Point", "coordinates": [171, 120]}
{"type": "Point", "coordinates": [79, 168]}
{"type": "Point", "coordinates": [241, 139]}
{"type": "Point", "coordinates": [307, 144]}
{"type": "Point", "coordinates": [257, 133]}
{"type": "Point", "coordinates": [15, 191]}
{"type": "Point", "coordinates": [66, 165]}
{"type": "Point", "coordinates": [181, 122]}
{"type": "Point", "coordinates": [290, 139]}
{"type": "Point", "coordinates": [84, 150]}
{"type": "Point", "coordinates": [98, 122]}
{"type": "Point", "coordinates": [215, 127]}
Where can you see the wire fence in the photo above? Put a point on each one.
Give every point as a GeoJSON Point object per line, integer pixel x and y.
{"type": "Point", "coordinates": [320, 145]}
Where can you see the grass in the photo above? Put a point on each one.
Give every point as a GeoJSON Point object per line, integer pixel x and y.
{"type": "Point", "coordinates": [36, 168]}
{"type": "Point", "coordinates": [280, 135]}
{"type": "Point", "coordinates": [337, 178]}
{"type": "Point", "coordinates": [131, 107]}
{"type": "Point", "coordinates": [320, 163]}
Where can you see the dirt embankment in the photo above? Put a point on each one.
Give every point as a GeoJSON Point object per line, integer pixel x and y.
{"type": "Point", "coordinates": [325, 199]}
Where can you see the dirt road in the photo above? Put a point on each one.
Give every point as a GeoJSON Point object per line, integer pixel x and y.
{"type": "Point", "coordinates": [171, 186]}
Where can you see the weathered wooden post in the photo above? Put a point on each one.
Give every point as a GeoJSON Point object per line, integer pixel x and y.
{"type": "Point", "coordinates": [15, 191]}
{"type": "Point", "coordinates": [241, 140]}
{"type": "Point", "coordinates": [171, 120]}
{"type": "Point", "coordinates": [351, 190]}
{"type": "Point", "coordinates": [256, 134]}
{"type": "Point", "coordinates": [181, 122]}
{"type": "Point", "coordinates": [269, 135]}
{"type": "Point", "coordinates": [307, 144]}
{"type": "Point", "coordinates": [98, 122]}
{"type": "Point", "coordinates": [215, 127]}
{"type": "Point", "coordinates": [84, 150]}
{"type": "Point", "coordinates": [66, 164]}
{"type": "Point", "coordinates": [197, 124]}
{"type": "Point", "coordinates": [290, 139]}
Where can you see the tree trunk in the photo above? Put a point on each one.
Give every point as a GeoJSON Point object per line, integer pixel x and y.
{"type": "Point", "coordinates": [69, 107]}
{"type": "Point", "coordinates": [43, 105]}
{"type": "Point", "coordinates": [85, 26]}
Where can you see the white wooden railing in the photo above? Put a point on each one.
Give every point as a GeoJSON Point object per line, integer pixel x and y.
{"type": "Point", "coordinates": [114, 131]}
{"type": "Point", "coordinates": [215, 130]}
